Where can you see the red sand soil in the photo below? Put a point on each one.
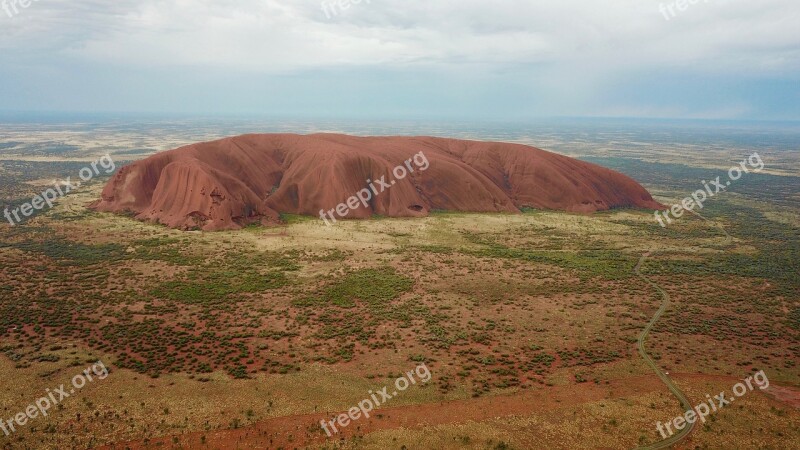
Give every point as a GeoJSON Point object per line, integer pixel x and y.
{"type": "Point", "coordinates": [229, 183]}
{"type": "Point", "coordinates": [785, 395]}
{"type": "Point", "coordinates": [306, 430]}
{"type": "Point", "coordinates": [303, 430]}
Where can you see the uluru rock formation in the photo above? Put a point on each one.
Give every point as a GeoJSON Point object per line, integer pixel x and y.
{"type": "Point", "coordinates": [229, 183]}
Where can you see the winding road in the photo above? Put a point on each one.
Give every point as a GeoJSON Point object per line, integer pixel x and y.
{"type": "Point", "coordinates": [677, 437]}
{"type": "Point", "coordinates": [682, 434]}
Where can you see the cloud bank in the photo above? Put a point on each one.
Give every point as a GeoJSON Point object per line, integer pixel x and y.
{"type": "Point", "coordinates": [715, 58]}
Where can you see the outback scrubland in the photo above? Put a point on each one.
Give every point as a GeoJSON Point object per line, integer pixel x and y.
{"type": "Point", "coordinates": [528, 323]}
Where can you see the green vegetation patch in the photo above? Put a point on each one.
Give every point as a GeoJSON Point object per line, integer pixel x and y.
{"type": "Point", "coordinates": [376, 287]}
{"type": "Point", "coordinates": [777, 258]}
{"type": "Point", "coordinates": [217, 282]}
{"type": "Point", "coordinates": [163, 249]}
{"type": "Point", "coordinates": [74, 253]}
{"type": "Point", "coordinates": [794, 318]}
{"type": "Point", "coordinates": [201, 287]}
{"type": "Point", "coordinates": [608, 264]}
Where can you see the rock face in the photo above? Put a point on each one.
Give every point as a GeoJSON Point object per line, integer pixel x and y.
{"type": "Point", "coordinates": [229, 183]}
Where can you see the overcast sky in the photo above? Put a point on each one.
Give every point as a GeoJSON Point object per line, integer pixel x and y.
{"type": "Point", "coordinates": [502, 59]}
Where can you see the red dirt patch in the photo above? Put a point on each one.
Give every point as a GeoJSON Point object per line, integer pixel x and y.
{"type": "Point", "coordinates": [786, 395]}
{"type": "Point", "coordinates": [303, 430]}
